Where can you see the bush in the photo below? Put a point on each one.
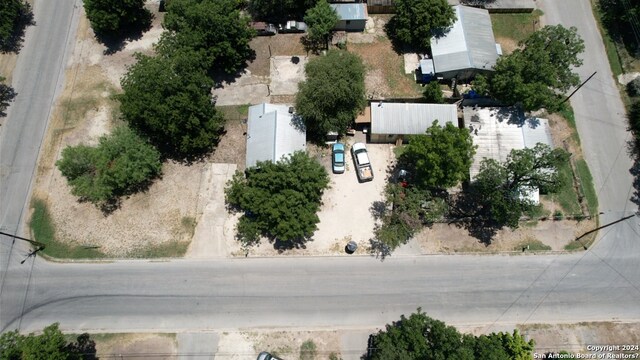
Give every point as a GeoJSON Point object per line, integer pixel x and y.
{"type": "Point", "coordinates": [433, 94]}
{"type": "Point", "coordinates": [121, 164]}
{"type": "Point", "coordinates": [633, 87]}
{"type": "Point", "coordinates": [308, 350]}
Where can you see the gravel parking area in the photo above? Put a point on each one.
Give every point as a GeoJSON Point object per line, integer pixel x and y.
{"type": "Point", "coordinates": [345, 214]}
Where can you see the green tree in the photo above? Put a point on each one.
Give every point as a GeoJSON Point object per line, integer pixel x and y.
{"type": "Point", "coordinates": [15, 15]}
{"type": "Point", "coordinates": [278, 11]}
{"type": "Point", "coordinates": [433, 94]}
{"type": "Point", "coordinates": [215, 31]}
{"type": "Point", "coordinates": [501, 189]}
{"type": "Point", "coordinates": [279, 200]}
{"type": "Point", "coordinates": [116, 17]}
{"type": "Point", "coordinates": [51, 345]}
{"type": "Point", "coordinates": [6, 96]}
{"type": "Point", "coordinates": [441, 158]}
{"type": "Point", "coordinates": [540, 72]}
{"type": "Point", "coordinates": [120, 164]}
{"type": "Point", "coordinates": [321, 20]}
{"type": "Point", "coordinates": [416, 21]}
{"type": "Point", "coordinates": [333, 93]}
{"type": "Point", "coordinates": [170, 101]}
{"type": "Point", "coordinates": [634, 121]}
{"type": "Point", "coordinates": [421, 337]}
{"type": "Point", "coordinates": [411, 208]}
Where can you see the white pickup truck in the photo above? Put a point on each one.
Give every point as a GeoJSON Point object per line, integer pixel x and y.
{"type": "Point", "coordinates": [361, 159]}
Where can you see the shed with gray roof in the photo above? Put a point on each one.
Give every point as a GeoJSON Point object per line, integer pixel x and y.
{"type": "Point", "coordinates": [391, 122]}
{"type": "Point", "coordinates": [468, 48]}
{"type": "Point", "coordinates": [353, 16]}
{"type": "Point", "coordinates": [273, 131]}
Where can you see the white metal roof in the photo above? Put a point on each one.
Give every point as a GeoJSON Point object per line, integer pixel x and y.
{"type": "Point", "coordinates": [272, 132]}
{"type": "Point", "coordinates": [351, 11]}
{"type": "Point", "coordinates": [497, 131]}
{"type": "Point", "coordinates": [468, 44]}
{"type": "Point", "coordinates": [409, 118]}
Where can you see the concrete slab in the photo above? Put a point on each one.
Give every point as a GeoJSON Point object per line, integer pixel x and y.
{"type": "Point", "coordinates": [411, 63]}
{"type": "Point", "coordinates": [209, 239]}
{"type": "Point", "coordinates": [197, 345]}
{"type": "Point", "coordinates": [286, 72]}
{"type": "Point", "coordinates": [247, 89]}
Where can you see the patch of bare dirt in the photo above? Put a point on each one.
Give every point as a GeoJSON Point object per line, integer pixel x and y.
{"type": "Point", "coordinates": [117, 346]}
{"type": "Point", "coordinates": [443, 238]}
{"type": "Point", "coordinates": [574, 338]}
{"type": "Point", "coordinates": [269, 46]}
{"type": "Point", "coordinates": [232, 147]}
{"type": "Point", "coordinates": [508, 45]}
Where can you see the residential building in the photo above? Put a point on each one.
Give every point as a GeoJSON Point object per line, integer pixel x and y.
{"type": "Point", "coordinates": [273, 131]}
{"type": "Point", "coordinates": [392, 122]}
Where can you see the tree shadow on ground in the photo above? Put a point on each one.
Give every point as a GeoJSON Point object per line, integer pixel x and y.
{"type": "Point", "coordinates": [284, 245]}
{"type": "Point", "coordinates": [84, 346]}
{"type": "Point", "coordinates": [221, 78]}
{"type": "Point", "coordinates": [467, 211]}
{"type": "Point", "coordinates": [13, 43]}
{"type": "Point", "coordinates": [115, 42]}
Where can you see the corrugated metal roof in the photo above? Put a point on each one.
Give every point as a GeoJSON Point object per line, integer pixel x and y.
{"type": "Point", "coordinates": [351, 11]}
{"type": "Point", "coordinates": [409, 118]}
{"type": "Point", "coordinates": [469, 43]}
{"type": "Point", "coordinates": [497, 131]}
{"type": "Point", "coordinates": [272, 133]}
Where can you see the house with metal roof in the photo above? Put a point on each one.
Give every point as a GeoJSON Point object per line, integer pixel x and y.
{"type": "Point", "coordinates": [468, 48]}
{"type": "Point", "coordinates": [273, 132]}
{"type": "Point", "coordinates": [392, 122]}
{"type": "Point", "coordinates": [353, 16]}
{"type": "Point", "coordinates": [497, 131]}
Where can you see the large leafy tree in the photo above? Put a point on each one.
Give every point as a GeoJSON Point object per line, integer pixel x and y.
{"type": "Point", "coordinates": [620, 17]}
{"type": "Point", "coordinates": [421, 337]}
{"type": "Point", "coordinates": [6, 96]}
{"type": "Point", "coordinates": [214, 31]}
{"type": "Point", "coordinates": [120, 164]}
{"type": "Point", "coordinates": [51, 344]}
{"type": "Point", "coordinates": [169, 100]}
{"type": "Point", "coordinates": [321, 20]}
{"type": "Point", "coordinates": [501, 189]}
{"type": "Point", "coordinates": [279, 200]}
{"type": "Point", "coordinates": [15, 15]}
{"type": "Point", "coordinates": [116, 17]}
{"type": "Point", "coordinates": [333, 93]}
{"type": "Point", "coordinates": [441, 158]}
{"type": "Point", "coordinates": [416, 21]}
{"type": "Point", "coordinates": [279, 10]}
{"type": "Point", "coordinates": [539, 73]}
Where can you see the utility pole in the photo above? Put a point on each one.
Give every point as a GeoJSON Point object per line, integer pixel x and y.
{"type": "Point", "coordinates": [605, 225]}
{"type": "Point", "coordinates": [578, 88]}
{"type": "Point", "coordinates": [39, 246]}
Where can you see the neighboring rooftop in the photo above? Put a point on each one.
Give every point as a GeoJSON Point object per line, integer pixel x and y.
{"type": "Point", "coordinates": [273, 132]}
{"type": "Point", "coordinates": [351, 11]}
{"type": "Point", "coordinates": [409, 118]}
{"type": "Point", "coordinates": [497, 131]}
{"type": "Point", "coordinates": [468, 44]}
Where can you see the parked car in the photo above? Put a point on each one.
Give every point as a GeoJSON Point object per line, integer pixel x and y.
{"type": "Point", "coordinates": [264, 29]}
{"type": "Point", "coordinates": [293, 26]}
{"type": "Point", "coordinates": [266, 356]}
{"type": "Point", "coordinates": [337, 158]}
{"type": "Point", "coordinates": [361, 160]}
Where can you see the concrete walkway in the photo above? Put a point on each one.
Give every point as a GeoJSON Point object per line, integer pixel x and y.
{"type": "Point", "coordinates": [210, 237]}
{"type": "Point", "coordinates": [199, 345]}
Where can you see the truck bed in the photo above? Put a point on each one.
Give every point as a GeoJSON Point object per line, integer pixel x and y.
{"type": "Point", "coordinates": [365, 172]}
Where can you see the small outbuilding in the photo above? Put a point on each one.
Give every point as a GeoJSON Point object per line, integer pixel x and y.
{"type": "Point", "coordinates": [353, 16]}
{"type": "Point", "coordinates": [467, 48]}
{"type": "Point", "coordinates": [273, 131]}
{"type": "Point", "coordinates": [392, 122]}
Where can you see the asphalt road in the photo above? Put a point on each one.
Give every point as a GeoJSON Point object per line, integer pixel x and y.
{"type": "Point", "coordinates": [354, 292]}
{"type": "Point", "coordinates": [37, 78]}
